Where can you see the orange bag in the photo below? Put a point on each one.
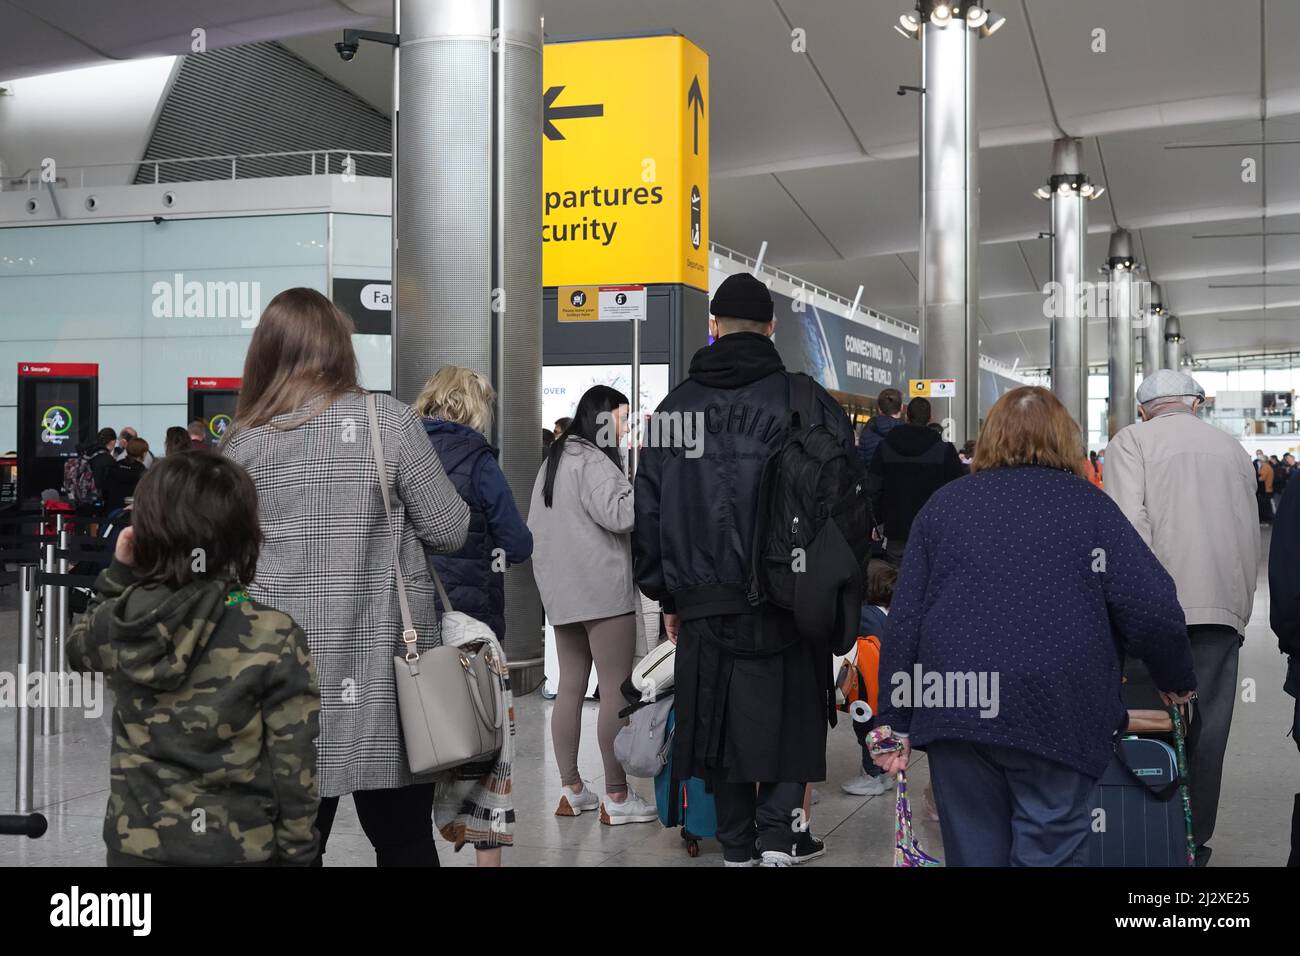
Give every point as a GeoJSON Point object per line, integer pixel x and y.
{"type": "Point", "coordinates": [859, 675]}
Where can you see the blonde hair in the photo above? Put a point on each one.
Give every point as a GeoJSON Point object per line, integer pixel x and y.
{"type": "Point", "coordinates": [1029, 426]}
{"type": "Point", "coordinates": [459, 395]}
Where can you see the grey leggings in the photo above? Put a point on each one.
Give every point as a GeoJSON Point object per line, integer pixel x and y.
{"type": "Point", "coordinates": [611, 643]}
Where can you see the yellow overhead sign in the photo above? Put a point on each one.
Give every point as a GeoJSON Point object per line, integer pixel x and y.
{"type": "Point", "coordinates": [625, 162]}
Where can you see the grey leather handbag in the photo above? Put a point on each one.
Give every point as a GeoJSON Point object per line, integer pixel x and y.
{"type": "Point", "coordinates": [450, 699]}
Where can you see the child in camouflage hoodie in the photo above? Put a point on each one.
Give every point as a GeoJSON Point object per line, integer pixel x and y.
{"type": "Point", "coordinates": [216, 701]}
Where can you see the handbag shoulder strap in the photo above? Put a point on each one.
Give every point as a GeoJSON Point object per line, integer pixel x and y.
{"type": "Point", "coordinates": [409, 635]}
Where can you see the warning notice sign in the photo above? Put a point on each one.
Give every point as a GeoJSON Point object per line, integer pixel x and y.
{"type": "Point", "coordinates": [607, 303]}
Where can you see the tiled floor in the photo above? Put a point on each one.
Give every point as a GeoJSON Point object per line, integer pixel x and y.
{"type": "Point", "coordinates": [1261, 775]}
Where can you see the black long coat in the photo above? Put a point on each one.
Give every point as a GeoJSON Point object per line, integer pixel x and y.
{"type": "Point", "coordinates": [751, 699]}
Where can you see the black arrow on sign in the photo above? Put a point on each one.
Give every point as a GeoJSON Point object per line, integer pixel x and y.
{"type": "Point", "coordinates": [550, 112]}
{"type": "Point", "coordinates": [695, 100]}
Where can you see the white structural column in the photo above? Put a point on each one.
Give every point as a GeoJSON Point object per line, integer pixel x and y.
{"type": "Point", "coordinates": [1069, 190]}
{"type": "Point", "coordinates": [1122, 308]}
{"type": "Point", "coordinates": [949, 170]}
{"type": "Point", "coordinates": [468, 278]}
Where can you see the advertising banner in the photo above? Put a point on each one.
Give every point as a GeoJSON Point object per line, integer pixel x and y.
{"type": "Point", "coordinates": [842, 355]}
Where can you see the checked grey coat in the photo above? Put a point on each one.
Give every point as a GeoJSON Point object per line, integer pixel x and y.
{"type": "Point", "coordinates": [327, 562]}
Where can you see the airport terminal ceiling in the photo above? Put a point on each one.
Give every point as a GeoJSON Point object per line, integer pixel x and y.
{"type": "Point", "coordinates": [814, 152]}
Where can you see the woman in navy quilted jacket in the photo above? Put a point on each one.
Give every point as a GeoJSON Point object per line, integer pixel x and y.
{"type": "Point", "coordinates": [1021, 588]}
{"type": "Point", "coordinates": [456, 406]}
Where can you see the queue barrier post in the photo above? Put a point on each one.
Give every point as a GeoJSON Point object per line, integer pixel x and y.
{"type": "Point", "coordinates": [26, 748]}
{"type": "Point", "coordinates": [61, 608]}
{"type": "Point", "coordinates": [49, 712]}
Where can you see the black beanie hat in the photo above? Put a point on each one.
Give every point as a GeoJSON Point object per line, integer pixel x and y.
{"type": "Point", "coordinates": [741, 296]}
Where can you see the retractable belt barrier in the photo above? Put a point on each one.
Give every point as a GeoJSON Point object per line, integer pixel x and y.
{"type": "Point", "coordinates": [44, 580]}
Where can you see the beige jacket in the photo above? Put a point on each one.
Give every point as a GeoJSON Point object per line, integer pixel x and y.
{"type": "Point", "coordinates": [1189, 489]}
{"type": "Point", "coordinates": [582, 546]}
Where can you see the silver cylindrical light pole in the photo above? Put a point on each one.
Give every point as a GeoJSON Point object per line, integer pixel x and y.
{"type": "Point", "coordinates": [948, 283]}
{"type": "Point", "coordinates": [1153, 331]}
{"type": "Point", "coordinates": [468, 278]}
{"type": "Point", "coordinates": [1069, 190]}
{"type": "Point", "coordinates": [1122, 307]}
{"type": "Point", "coordinates": [1173, 357]}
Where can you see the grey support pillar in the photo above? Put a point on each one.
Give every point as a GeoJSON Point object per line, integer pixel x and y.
{"type": "Point", "coordinates": [949, 168]}
{"type": "Point", "coordinates": [1122, 307]}
{"type": "Point", "coordinates": [1070, 190]}
{"type": "Point", "coordinates": [1173, 356]}
{"type": "Point", "coordinates": [468, 279]}
{"type": "Point", "coordinates": [1153, 332]}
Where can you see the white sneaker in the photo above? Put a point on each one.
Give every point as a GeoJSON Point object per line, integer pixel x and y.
{"type": "Point", "coordinates": [864, 785]}
{"type": "Point", "coordinates": [632, 810]}
{"type": "Point", "coordinates": [574, 802]}
{"type": "Point", "coordinates": [776, 858]}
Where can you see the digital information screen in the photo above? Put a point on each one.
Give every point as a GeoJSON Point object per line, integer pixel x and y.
{"type": "Point", "coordinates": [58, 411]}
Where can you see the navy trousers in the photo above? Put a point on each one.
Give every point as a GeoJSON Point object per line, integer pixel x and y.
{"type": "Point", "coordinates": [999, 806]}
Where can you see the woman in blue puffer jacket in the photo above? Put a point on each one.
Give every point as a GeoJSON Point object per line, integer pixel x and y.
{"type": "Point", "coordinates": [456, 405]}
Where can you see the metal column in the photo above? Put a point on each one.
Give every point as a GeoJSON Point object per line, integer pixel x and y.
{"type": "Point", "coordinates": [949, 173]}
{"type": "Point", "coordinates": [468, 277]}
{"type": "Point", "coordinates": [1173, 357]}
{"type": "Point", "coordinates": [1070, 190]}
{"type": "Point", "coordinates": [1122, 309]}
{"type": "Point", "coordinates": [1153, 332]}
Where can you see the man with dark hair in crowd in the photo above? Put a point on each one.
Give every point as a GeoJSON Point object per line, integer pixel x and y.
{"type": "Point", "coordinates": [198, 433]}
{"type": "Point", "coordinates": [101, 459]}
{"type": "Point", "coordinates": [911, 464]}
{"type": "Point", "coordinates": [889, 405]}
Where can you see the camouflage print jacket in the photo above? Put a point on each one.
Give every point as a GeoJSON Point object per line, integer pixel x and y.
{"type": "Point", "coordinates": [214, 725]}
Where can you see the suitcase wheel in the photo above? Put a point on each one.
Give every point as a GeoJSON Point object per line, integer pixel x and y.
{"type": "Point", "coordinates": [692, 846]}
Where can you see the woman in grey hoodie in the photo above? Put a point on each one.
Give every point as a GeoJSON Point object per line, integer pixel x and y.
{"type": "Point", "coordinates": [581, 518]}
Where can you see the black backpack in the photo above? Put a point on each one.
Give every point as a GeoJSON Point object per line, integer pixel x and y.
{"type": "Point", "coordinates": [813, 527]}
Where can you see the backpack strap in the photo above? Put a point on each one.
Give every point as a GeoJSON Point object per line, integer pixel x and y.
{"type": "Point", "coordinates": [803, 401]}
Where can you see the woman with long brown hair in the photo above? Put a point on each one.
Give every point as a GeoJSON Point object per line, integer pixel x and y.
{"type": "Point", "coordinates": [1020, 584]}
{"type": "Point", "coordinates": [301, 431]}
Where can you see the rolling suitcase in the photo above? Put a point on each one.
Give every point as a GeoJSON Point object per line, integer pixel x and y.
{"type": "Point", "coordinates": [1141, 815]}
{"type": "Point", "coordinates": [685, 803]}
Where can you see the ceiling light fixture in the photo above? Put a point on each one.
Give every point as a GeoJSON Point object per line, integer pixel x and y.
{"type": "Point", "coordinates": [909, 23]}
{"type": "Point", "coordinates": [993, 26]}
{"type": "Point", "coordinates": [976, 16]}
{"type": "Point", "coordinates": [941, 15]}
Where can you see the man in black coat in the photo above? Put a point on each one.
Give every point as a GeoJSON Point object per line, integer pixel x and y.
{"type": "Point", "coordinates": [911, 464]}
{"type": "Point", "coordinates": [751, 697]}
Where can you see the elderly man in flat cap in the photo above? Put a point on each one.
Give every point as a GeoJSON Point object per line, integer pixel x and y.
{"type": "Point", "coordinates": [1189, 489]}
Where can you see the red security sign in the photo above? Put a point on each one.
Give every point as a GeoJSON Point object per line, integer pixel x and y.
{"type": "Point", "coordinates": [205, 383]}
{"type": "Point", "coordinates": [59, 369]}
